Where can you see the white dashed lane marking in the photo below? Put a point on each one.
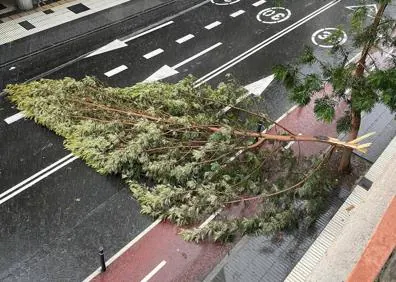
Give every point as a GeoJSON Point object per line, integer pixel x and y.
{"type": "Point", "coordinates": [212, 25]}
{"type": "Point", "coordinates": [14, 118]}
{"type": "Point", "coordinates": [237, 13]}
{"type": "Point", "coordinates": [115, 71]}
{"type": "Point", "coordinates": [185, 38]}
{"type": "Point", "coordinates": [259, 3]}
{"type": "Point", "coordinates": [154, 271]}
{"type": "Point", "coordinates": [153, 53]}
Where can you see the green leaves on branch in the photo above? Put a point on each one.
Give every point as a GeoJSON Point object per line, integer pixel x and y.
{"type": "Point", "coordinates": [358, 89]}
{"type": "Point", "coordinates": [325, 109]}
{"type": "Point", "coordinates": [159, 137]}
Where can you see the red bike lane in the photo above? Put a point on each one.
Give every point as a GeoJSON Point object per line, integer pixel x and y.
{"type": "Point", "coordinates": [162, 255]}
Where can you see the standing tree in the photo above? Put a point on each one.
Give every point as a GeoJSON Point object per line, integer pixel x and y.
{"type": "Point", "coordinates": [354, 84]}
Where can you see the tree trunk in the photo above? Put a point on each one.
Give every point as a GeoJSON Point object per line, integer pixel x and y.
{"type": "Point", "coordinates": [345, 163]}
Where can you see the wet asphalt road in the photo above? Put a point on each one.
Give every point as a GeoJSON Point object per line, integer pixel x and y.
{"type": "Point", "coordinates": [52, 230]}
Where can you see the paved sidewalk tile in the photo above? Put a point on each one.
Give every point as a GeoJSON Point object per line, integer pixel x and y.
{"type": "Point", "coordinates": [49, 16]}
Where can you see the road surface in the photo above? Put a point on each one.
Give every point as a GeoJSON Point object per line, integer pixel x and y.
{"type": "Point", "coordinates": [55, 211]}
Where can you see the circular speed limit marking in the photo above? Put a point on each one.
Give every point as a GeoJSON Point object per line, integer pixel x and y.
{"type": "Point", "coordinates": [224, 2]}
{"type": "Point", "coordinates": [320, 36]}
{"type": "Point", "coordinates": [273, 15]}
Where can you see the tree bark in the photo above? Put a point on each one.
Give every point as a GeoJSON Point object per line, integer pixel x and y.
{"type": "Point", "coordinates": [345, 163]}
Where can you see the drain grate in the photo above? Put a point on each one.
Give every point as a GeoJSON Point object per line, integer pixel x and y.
{"type": "Point", "coordinates": [78, 8]}
{"type": "Point", "coordinates": [365, 183]}
{"type": "Point", "coordinates": [49, 11]}
{"type": "Point", "coordinates": [26, 25]}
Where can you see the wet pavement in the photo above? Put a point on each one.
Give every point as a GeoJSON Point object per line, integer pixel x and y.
{"type": "Point", "coordinates": [63, 218]}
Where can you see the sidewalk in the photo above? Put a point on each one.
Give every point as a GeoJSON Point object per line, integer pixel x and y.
{"type": "Point", "coordinates": [263, 259]}
{"type": "Point", "coordinates": [353, 243]}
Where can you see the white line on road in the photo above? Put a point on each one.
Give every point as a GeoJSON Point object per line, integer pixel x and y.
{"type": "Point", "coordinates": [185, 38]}
{"type": "Point", "coordinates": [237, 13]}
{"type": "Point", "coordinates": [148, 31]}
{"type": "Point", "coordinates": [124, 249]}
{"type": "Point", "coordinates": [197, 55]}
{"type": "Point", "coordinates": [34, 176]}
{"type": "Point", "coordinates": [154, 271]}
{"type": "Point", "coordinates": [115, 71]}
{"type": "Point", "coordinates": [23, 188]}
{"type": "Point", "coordinates": [259, 3]}
{"type": "Point", "coordinates": [287, 147]}
{"type": "Point", "coordinates": [14, 118]}
{"type": "Point", "coordinates": [263, 44]}
{"type": "Point", "coordinates": [167, 71]}
{"type": "Point", "coordinates": [209, 219]}
{"type": "Point", "coordinates": [212, 25]}
{"type": "Point", "coordinates": [153, 53]}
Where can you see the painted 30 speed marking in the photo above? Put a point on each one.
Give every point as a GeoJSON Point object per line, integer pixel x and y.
{"type": "Point", "coordinates": [273, 15]}
{"type": "Point", "coordinates": [224, 2]}
{"type": "Point", "coordinates": [321, 36]}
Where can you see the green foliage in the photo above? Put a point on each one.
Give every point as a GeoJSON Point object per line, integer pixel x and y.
{"type": "Point", "coordinates": [344, 123]}
{"type": "Point", "coordinates": [385, 82]}
{"type": "Point", "coordinates": [157, 137]}
{"type": "Point", "coordinates": [359, 91]}
{"type": "Point", "coordinates": [324, 109]}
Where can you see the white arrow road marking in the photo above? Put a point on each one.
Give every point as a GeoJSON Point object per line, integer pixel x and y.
{"type": "Point", "coordinates": [22, 186]}
{"type": "Point", "coordinates": [154, 271]}
{"type": "Point", "coordinates": [264, 43]}
{"type": "Point", "coordinates": [256, 88]}
{"type": "Point", "coordinates": [14, 118]}
{"type": "Point", "coordinates": [371, 7]}
{"type": "Point", "coordinates": [167, 71]}
{"type": "Point", "coordinates": [117, 44]}
{"type": "Point", "coordinates": [163, 72]}
{"type": "Point", "coordinates": [113, 45]}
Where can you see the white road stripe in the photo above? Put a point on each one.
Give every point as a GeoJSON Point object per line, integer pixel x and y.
{"type": "Point", "coordinates": [287, 147]}
{"type": "Point", "coordinates": [153, 53]}
{"type": "Point", "coordinates": [112, 72]}
{"type": "Point", "coordinates": [209, 219]}
{"type": "Point", "coordinates": [259, 3]}
{"type": "Point", "coordinates": [185, 38]}
{"type": "Point", "coordinates": [14, 118]}
{"type": "Point", "coordinates": [154, 271]}
{"type": "Point", "coordinates": [34, 176]}
{"type": "Point", "coordinates": [212, 25]}
{"type": "Point", "coordinates": [23, 188]}
{"type": "Point", "coordinates": [124, 249]}
{"type": "Point", "coordinates": [263, 44]}
{"type": "Point", "coordinates": [237, 13]}
{"type": "Point", "coordinates": [197, 55]}
{"type": "Point", "coordinates": [148, 31]}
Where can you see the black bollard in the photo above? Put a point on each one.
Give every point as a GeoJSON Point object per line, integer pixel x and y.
{"type": "Point", "coordinates": [260, 128]}
{"type": "Point", "coordinates": [102, 259]}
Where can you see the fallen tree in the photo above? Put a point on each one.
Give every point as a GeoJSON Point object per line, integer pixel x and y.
{"type": "Point", "coordinates": [182, 155]}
